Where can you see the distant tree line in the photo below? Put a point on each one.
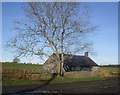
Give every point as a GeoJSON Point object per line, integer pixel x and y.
{"type": "Point", "coordinates": [20, 63]}
{"type": "Point", "coordinates": [110, 65]}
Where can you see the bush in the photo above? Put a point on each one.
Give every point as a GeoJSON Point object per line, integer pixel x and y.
{"type": "Point", "coordinates": [104, 73]}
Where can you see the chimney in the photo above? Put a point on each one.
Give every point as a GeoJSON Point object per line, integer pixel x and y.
{"type": "Point", "coordinates": [86, 54]}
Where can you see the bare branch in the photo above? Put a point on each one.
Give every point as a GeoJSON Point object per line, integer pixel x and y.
{"type": "Point", "coordinates": [58, 27]}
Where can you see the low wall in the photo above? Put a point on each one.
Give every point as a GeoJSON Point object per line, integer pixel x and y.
{"type": "Point", "coordinates": [24, 74]}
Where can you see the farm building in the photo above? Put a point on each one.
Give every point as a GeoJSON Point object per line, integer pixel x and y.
{"type": "Point", "coordinates": [71, 63]}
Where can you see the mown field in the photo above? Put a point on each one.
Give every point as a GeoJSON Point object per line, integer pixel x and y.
{"type": "Point", "coordinates": [31, 74]}
{"type": "Point", "coordinates": [110, 69]}
{"type": "Point", "coordinates": [21, 66]}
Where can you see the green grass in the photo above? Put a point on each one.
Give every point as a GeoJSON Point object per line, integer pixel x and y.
{"type": "Point", "coordinates": [72, 80]}
{"type": "Point", "coordinates": [21, 82]}
{"type": "Point", "coordinates": [56, 80]}
{"type": "Point", "coordinates": [110, 69]}
{"type": "Point", "coordinates": [21, 66]}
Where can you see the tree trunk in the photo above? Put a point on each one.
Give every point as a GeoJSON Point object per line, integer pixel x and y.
{"type": "Point", "coordinates": [62, 62]}
{"type": "Point", "coordinates": [60, 67]}
{"type": "Point", "coordinates": [62, 55]}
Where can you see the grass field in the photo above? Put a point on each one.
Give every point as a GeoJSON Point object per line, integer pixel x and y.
{"type": "Point", "coordinates": [110, 69]}
{"type": "Point", "coordinates": [70, 79]}
{"type": "Point", "coordinates": [21, 82]}
{"type": "Point", "coordinates": [56, 80]}
{"type": "Point", "coordinates": [21, 66]}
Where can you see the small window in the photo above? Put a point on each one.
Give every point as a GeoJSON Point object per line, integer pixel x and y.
{"type": "Point", "coordinates": [78, 68]}
{"type": "Point", "coordinates": [72, 68]}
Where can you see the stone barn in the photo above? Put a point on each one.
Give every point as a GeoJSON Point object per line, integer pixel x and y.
{"type": "Point", "coordinates": [71, 63]}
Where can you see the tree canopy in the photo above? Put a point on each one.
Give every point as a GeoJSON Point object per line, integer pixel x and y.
{"type": "Point", "coordinates": [53, 27]}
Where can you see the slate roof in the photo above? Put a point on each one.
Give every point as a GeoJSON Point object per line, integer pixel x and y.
{"type": "Point", "coordinates": [75, 60]}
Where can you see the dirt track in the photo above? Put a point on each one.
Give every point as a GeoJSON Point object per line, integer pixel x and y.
{"type": "Point", "coordinates": [105, 86]}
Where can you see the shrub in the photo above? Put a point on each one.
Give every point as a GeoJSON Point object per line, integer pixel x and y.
{"type": "Point", "coordinates": [104, 73]}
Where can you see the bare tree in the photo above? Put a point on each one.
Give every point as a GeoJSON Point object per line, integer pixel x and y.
{"type": "Point", "coordinates": [53, 27]}
{"type": "Point", "coordinates": [16, 60]}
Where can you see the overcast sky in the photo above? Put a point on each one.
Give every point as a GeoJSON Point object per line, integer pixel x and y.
{"type": "Point", "coordinates": [105, 40]}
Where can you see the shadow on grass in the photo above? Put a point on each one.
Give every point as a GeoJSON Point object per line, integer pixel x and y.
{"type": "Point", "coordinates": [38, 87]}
